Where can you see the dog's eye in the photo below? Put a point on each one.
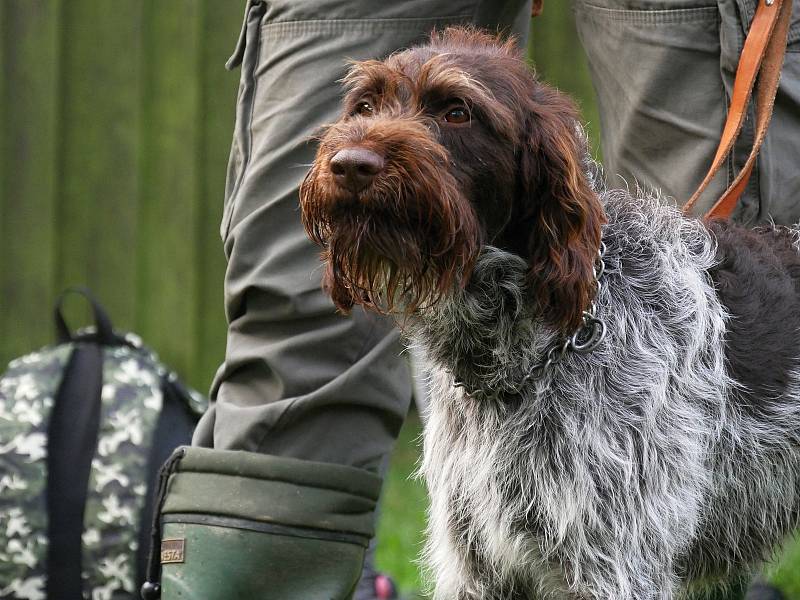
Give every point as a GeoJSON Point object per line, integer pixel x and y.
{"type": "Point", "coordinates": [364, 109]}
{"type": "Point", "coordinates": [458, 114]}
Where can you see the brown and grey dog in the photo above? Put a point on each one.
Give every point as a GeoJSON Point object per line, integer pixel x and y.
{"type": "Point", "coordinates": [616, 388]}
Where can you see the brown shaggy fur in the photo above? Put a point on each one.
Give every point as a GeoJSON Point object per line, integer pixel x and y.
{"type": "Point", "coordinates": [512, 175]}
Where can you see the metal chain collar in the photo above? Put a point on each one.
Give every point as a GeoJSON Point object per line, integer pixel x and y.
{"type": "Point", "coordinates": [586, 338]}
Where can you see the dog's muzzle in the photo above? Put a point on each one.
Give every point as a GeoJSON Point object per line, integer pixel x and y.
{"type": "Point", "coordinates": [396, 230]}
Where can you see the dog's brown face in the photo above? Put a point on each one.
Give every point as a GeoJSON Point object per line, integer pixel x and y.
{"type": "Point", "coordinates": [442, 149]}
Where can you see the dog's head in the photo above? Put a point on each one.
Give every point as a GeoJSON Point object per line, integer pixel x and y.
{"type": "Point", "coordinates": [441, 149]}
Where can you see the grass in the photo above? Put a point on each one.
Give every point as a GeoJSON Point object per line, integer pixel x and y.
{"type": "Point", "coordinates": [402, 520]}
{"type": "Point", "coordinates": [786, 571]}
{"type": "Point", "coordinates": [400, 530]}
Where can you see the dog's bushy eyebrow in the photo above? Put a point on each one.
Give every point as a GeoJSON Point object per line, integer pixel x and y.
{"type": "Point", "coordinates": [370, 76]}
{"type": "Point", "coordinates": [440, 79]}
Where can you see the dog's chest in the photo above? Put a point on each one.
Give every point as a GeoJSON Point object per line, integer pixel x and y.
{"type": "Point", "coordinates": [478, 465]}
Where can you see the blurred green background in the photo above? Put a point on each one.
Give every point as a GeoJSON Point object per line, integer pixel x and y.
{"type": "Point", "coordinates": [115, 127]}
{"type": "Point", "coordinates": [115, 122]}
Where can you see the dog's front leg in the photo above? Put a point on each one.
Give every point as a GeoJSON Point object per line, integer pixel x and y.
{"type": "Point", "coordinates": [453, 566]}
{"type": "Point", "coordinates": [621, 537]}
{"type": "Point", "coordinates": [607, 574]}
{"type": "Point", "coordinates": [458, 566]}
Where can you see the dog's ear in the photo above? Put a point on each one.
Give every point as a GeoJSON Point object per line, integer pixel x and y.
{"type": "Point", "coordinates": [558, 215]}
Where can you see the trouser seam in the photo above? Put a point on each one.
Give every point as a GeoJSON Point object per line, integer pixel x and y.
{"type": "Point", "coordinates": [248, 71]}
{"type": "Point", "coordinates": [333, 26]}
{"type": "Point", "coordinates": [699, 14]}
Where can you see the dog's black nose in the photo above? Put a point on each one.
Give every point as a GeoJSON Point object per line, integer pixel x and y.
{"type": "Point", "coordinates": [355, 168]}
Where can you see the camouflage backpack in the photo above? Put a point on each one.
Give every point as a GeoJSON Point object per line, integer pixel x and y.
{"type": "Point", "coordinates": [84, 426]}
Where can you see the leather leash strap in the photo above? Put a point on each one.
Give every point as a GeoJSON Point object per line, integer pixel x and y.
{"type": "Point", "coordinates": [537, 7]}
{"type": "Point", "coordinates": [762, 56]}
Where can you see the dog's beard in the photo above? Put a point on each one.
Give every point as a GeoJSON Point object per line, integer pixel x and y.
{"type": "Point", "coordinates": [397, 248]}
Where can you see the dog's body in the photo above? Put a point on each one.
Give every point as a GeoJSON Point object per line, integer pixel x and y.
{"type": "Point", "coordinates": [630, 470]}
{"type": "Point", "coordinates": [668, 454]}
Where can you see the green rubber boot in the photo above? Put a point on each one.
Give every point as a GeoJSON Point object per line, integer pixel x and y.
{"type": "Point", "coordinates": [241, 526]}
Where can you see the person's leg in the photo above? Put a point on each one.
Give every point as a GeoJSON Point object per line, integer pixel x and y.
{"type": "Point", "coordinates": [300, 380]}
{"type": "Point", "coordinates": [663, 71]}
{"type": "Point", "coordinates": [779, 176]}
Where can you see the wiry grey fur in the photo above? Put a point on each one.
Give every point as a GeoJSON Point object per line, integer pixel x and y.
{"type": "Point", "coordinates": [623, 474]}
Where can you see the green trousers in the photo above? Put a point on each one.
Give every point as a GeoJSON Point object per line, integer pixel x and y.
{"type": "Point", "coordinates": [300, 380]}
{"type": "Point", "coordinates": [663, 72]}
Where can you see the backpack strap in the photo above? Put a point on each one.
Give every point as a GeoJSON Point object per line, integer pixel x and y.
{"type": "Point", "coordinates": [72, 435]}
{"type": "Point", "coordinates": [762, 57]}
{"type": "Point", "coordinates": [105, 332]}
{"type": "Point", "coordinates": [71, 445]}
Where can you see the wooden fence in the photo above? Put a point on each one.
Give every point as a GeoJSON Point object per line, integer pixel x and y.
{"type": "Point", "coordinates": [116, 121]}
{"type": "Point", "coordinates": [115, 124]}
